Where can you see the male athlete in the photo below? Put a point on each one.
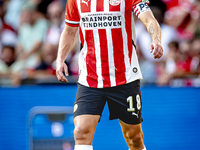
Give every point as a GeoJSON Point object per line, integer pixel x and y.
{"type": "Point", "coordinates": [108, 65]}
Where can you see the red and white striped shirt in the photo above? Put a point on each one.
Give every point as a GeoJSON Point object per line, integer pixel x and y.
{"type": "Point", "coordinates": [108, 57]}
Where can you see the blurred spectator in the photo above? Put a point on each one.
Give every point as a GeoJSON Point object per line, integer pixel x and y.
{"type": "Point", "coordinates": [10, 69]}
{"type": "Point", "coordinates": [6, 31]}
{"type": "Point", "coordinates": [170, 3]}
{"type": "Point", "coordinates": [195, 55]}
{"type": "Point", "coordinates": [12, 16]}
{"type": "Point", "coordinates": [168, 66]}
{"type": "Point", "coordinates": [55, 13]}
{"type": "Point", "coordinates": [42, 5]}
{"type": "Point", "coordinates": [31, 35]}
{"type": "Point", "coordinates": [183, 59]}
{"type": "Point", "coordinates": [47, 67]}
{"type": "Point", "coordinates": [1, 25]}
{"type": "Point", "coordinates": [197, 32]}
{"type": "Point", "coordinates": [187, 65]}
{"type": "Point", "coordinates": [182, 64]}
{"type": "Point", "coordinates": [183, 17]}
{"type": "Point", "coordinates": [64, 3]}
{"type": "Point", "coordinates": [3, 8]}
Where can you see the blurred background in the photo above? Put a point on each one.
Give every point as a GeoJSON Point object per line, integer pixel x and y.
{"type": "Point", "coordinates": [36, 110]}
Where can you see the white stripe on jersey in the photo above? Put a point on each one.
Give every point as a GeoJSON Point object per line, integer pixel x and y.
{"type": "Point", "coordinates": [111, 58]}
{"type": "Point", "coordinates": [79, 6]}
{"type": "Point", "coordinates": [110, 49]}
{"type": "Point", "coordinates": [93, 6]}
{"type": "Point", "coordinates": [125, 43]}
{"type": "Point", "coordinates": [97, 49]}
{"type": "Point", "coordinates": [83, 64]}
{"type": "Point", "coordinates": [72, 22]}
{"type": "Point", "coordinates": [98, 58]}
{"type": "Point", "coordinates": [106, 5]}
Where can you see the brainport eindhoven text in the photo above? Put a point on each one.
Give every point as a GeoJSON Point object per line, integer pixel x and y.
{"type": "Point", "coordinates": [101, 21]}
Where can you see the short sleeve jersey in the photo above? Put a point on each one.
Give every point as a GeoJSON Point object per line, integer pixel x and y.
{"type": "Point", "coordinates": [108, 57]}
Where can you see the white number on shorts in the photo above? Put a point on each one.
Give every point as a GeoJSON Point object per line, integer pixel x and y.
{"type": "Point", "coordinates": [138, 102]}
{"type": "Point", "coordinates": [130, 101]}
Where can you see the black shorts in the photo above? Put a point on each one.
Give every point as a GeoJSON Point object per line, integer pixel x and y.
{"type": "Point", "coordinates": [124, 102]}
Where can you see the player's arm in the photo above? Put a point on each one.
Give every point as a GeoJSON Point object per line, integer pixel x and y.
{"type": "Point", "coordinates": [66, 41]}
{"type": "Point", "coordinates": [154, 30]}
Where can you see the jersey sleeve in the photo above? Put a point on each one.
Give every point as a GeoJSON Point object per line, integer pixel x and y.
{"type": "Point", "coordinates": [140, 7]}
{"type": "Point", "coordinates": [135, 2]}
{"type": "Point", "coordinates": [72, 16]}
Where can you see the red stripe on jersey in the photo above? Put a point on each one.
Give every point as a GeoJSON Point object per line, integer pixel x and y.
{"type": "Point", "coordinates": [135, 2]}
{"type": "Point", "coordinates": [118, 52]}
{"type": "Point", "coordinates": [138, 14]}
{"type": "Point", "coordinates": [85, 6]}
{"type": "Point", "coordinates": [136, 10]}
{"type": "Point", "coordinates": [92, 77]}
{"type": "Point", "coordinates": [128, 17]}
{"type": "Point", "coordinates": [114, 8]}
{"type": "Point", "coordinates": [81, 36]}
{"type": "Point", "coordinates": [104, 57]}
{"type": "Point", "coordinates": [100, 5]}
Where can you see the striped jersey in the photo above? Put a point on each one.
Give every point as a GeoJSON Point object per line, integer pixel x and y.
{"type": "Point", "coordinates": [108, 57]}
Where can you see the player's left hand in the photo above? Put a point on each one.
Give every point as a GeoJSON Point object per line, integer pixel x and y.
{"type": "Point", "coordinates": [157, 49]}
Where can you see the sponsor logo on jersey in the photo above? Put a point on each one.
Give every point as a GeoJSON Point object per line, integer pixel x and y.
{"type": "Point", "coordinates": [102, 21]}
{"type": "Point", "coordinates": [85, 2]}
{"type": "Point", "coordinates": [115, 2]}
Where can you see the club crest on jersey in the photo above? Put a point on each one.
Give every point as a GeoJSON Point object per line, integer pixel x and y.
{"type": "Point", "coordinates": [115, 2]}
{"type": "Point", "coordinates": [85, 2]}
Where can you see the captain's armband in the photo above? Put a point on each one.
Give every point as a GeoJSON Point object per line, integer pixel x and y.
{"type": "Point", "coordinates": [141, 8]}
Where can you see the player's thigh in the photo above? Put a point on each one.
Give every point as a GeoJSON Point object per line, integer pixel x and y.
{"type": "Point", "coordinates": [86, 123]}
{"type": "Point", "coordinates": [125, 103]}
{"type": "Point", "coordinates": [89, 101]}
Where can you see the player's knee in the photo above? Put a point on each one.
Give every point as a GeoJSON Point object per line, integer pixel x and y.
{"type": "Point", "coordinates": [82, 134]}
{"type": "Point", "coordinates": [80, 131]}
{"type": "Point", "coordinates": [135, 139]}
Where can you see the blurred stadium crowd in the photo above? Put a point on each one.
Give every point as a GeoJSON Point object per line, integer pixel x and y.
{"type": "Point", "coordinates": [30, 31]}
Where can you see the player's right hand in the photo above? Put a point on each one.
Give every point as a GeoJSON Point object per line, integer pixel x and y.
{"type": "Point", "coordinates": [61, 71]}
{"type": "Point", "coordinates": [157, 49]}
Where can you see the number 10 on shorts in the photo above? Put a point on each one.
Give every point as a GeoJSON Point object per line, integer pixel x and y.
{"type": "Point", "coordinates": [130, 101]}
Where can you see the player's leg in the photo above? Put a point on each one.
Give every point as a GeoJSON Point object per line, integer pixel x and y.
{"type": "Point", "coordinates": [85, 126]}
{"type": "Point", "coordinates": [133, 135]}
{"type": "Point", "coordinates": [125, 104]}
{"type": "Point", "coordinates": [88, 108]}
